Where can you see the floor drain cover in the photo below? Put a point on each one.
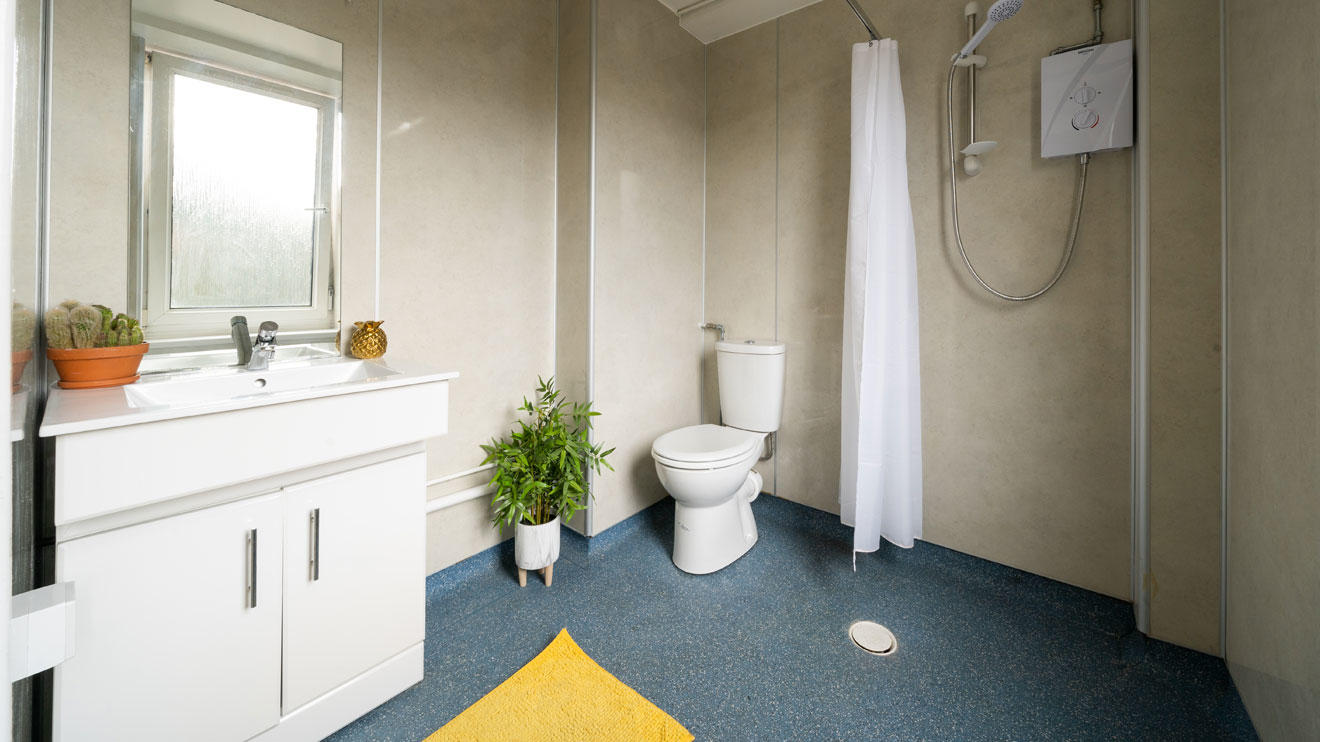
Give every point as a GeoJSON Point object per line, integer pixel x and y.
{"type": "Point", "coordinates": [872, 637]}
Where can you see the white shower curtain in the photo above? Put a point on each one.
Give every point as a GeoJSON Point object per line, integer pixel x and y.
{"type": "Point", "coordinates": [880, 477]}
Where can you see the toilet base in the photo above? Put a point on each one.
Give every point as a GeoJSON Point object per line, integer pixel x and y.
{"type": "Point", "coordinates": [708, 539]}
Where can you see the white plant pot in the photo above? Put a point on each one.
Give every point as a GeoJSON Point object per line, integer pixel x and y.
{"type": "Point", "coordinates": [535, 547]}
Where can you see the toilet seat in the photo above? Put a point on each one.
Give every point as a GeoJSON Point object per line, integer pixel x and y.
{"type": "Point", "coordinates": [705, 447]}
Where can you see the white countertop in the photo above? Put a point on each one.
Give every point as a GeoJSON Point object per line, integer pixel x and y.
{"type": "Point", "coordinates": [80, 410]}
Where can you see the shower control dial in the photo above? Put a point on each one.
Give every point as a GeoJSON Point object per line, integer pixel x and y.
{"type": "Point", "coordinates": [1084, 95]}
{"type": "Point", "coordinates": [1085, 119]}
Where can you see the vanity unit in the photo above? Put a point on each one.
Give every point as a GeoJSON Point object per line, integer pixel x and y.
{"type": "Point", "coordinates": [247, 549]}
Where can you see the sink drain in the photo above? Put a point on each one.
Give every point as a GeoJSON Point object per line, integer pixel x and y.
{"type": "Point", "coordinates": [872, 637]}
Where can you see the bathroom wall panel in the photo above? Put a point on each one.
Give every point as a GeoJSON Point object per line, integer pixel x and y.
{"type": "Point", "coordinates": [88, 199]}
{"type": "Point", "coordinates": [649, 169]}
{"type": "Point", "coordinates": [741, 190]}
{"type": "Point", "coordinates": [354, 26]}
{"type": "Point", "coordinates": [813, 88]}
{"type": "Point", "coordinates": [1025, 408]}
{"type": "Point", "coordinates": [1185, 356]}
{"type": "Point", "coordinates": [467, 232]}
{"type": "Point", "coordinates": [1273, 309]}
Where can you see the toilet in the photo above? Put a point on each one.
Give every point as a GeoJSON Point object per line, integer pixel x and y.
{"type": "Point", "coordinates": [708, 468]}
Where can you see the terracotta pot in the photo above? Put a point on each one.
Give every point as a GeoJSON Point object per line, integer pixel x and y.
{"type": "Point", "coordinates": [19, 359]}
{"type": "Point", "coordinates": [535, 547]}
{"type": "Point", "coordinates": [94, 368]}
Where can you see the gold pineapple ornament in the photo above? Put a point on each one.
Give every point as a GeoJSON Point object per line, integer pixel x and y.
{"type": "Point", "coordinates": [368, 340]}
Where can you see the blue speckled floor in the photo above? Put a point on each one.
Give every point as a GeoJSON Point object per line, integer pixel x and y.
{"type": "Point", "coordinates": [759, 651]}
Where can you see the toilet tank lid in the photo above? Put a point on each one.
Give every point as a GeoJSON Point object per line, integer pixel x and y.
{"type": "Point", "coordinates": [751, 347]}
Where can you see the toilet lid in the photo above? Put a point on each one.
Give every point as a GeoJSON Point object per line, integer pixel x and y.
{"type": "Point", "coordinates": [705, 443]}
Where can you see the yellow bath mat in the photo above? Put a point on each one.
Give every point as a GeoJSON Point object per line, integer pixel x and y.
{"type": "Point", "coordinates": [562, 695]}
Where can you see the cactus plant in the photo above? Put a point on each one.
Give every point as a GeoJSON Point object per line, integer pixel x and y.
{"type": "Point", "coordinates": [92, 347]}
{"type": "Point", "coordinates": [23, 324]}
{"type": "Point", "coordinates": [124, 330]}
{"type": "Point", "coordinates": [86, 321]}
{"type": "Point", "coordinates": [59, 333]}
{"type": "Point", "coordinates": [76, 325]}
{"type": "Point", "coordinates": [107, 316]}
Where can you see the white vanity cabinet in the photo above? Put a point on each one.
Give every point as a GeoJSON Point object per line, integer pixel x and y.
{"type": "Point", "coordinates": [354, 557]}
{"type": "Point", "coordinates": [213, 624]}
{"type": "Point", "coordinates": [259, 573]}
{"type": "Point", "coordinates": [171, 643]}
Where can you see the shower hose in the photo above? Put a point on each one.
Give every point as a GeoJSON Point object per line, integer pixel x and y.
{"type": "Point", "coordinates": [1083, 161]}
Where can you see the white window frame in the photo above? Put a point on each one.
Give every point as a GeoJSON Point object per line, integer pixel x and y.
{"type": "Point", "coordinates": [161, 321]}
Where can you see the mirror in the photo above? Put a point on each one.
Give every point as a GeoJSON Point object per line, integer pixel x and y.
{"type": "Point", "coordinates": [27, 378]}
{"type": "Point", "coordinates": [234, 199]}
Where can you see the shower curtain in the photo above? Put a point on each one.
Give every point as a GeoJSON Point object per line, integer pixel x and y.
{"type": "Point", "coordinates": [880, 476]}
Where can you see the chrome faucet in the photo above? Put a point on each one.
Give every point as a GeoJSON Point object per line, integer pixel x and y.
{"type": "Point", "coordinates": [264, 350]}
{"type": "Point", "coordinates": [242, 339]}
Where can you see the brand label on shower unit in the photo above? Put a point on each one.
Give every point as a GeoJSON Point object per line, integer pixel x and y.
{"type": "Point", "coordinates": [1086, 100]}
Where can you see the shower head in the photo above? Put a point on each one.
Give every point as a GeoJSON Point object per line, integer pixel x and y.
{"type": "Point", "coordinates": [1003, 10]}
{"type": "Point", "coordinates": [998, 13]}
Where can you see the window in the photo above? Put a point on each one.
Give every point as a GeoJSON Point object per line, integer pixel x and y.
{"type": "Point", "coordinates": [238, 201]}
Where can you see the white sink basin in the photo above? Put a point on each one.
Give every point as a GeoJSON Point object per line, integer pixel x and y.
{"type": "Point", "coordinates": [227, 384]}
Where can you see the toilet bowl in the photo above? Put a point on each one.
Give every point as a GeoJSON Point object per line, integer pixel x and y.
{"type": "Point", "coordinates": [708, 471]}
{"type": "Point", "coordinates": [708, 468]}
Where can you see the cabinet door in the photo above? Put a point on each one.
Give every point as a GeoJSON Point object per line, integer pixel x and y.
{"type": "Point", "coordinates": [354, 574]}
{"type": "Point", "coordinates": [173, 638]}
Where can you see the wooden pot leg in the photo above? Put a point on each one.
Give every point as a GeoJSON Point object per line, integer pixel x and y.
{"type": "Point", "coordinates": [522, 577]}
{"type": "Point", "coordinates": [549, 574]}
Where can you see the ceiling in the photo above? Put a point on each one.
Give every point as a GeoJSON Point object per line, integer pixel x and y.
{"type": "Point", "coordinates": [712, 20]}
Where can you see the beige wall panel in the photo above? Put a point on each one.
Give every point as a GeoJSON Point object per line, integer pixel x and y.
{"type": "Point", "coordinates": [741, 137]}
{"type": "Point", "coordinates": [88, 201]}
{"type": "Point", "coordinates": [1274, 365]}
{"type": "Point", "coordinates": [814, 58]}
{"type": "Point", "coordinates": [650, 118]}
{"type": "Point", "coordinates": [1184, 324]}
{"type": "Point", "coordinates": [467, 218]}
{"type": "Point", "coordinates": [354, 26]}
{"type": "Point", "coordinates": [1025, 408]}
{"type": "Point", "coordinates": [458, 532]}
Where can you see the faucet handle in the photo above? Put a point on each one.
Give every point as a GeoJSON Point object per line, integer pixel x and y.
{"type": "Point", "coordinates": [266, 332]}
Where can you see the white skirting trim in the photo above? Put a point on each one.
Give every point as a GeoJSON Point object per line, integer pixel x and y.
{"type": "Point", "coordinates": [461, 496]}
{"type": "Point", "coordinates": [460, 475]}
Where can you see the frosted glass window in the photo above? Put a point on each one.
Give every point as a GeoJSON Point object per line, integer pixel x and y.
{"type": "Point", "coordinates": [244, 197]}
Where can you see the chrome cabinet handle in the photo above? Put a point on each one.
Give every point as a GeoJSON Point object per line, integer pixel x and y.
{"type": "Point", "coordinates": [251, 591]}
{"type": "Point", "coordinates": [314, 564]}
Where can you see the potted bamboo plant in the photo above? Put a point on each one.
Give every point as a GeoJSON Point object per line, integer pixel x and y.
{"type": "Point", "coordinates": [92, 347]}
{"type": "Point", "coordinates": [541, 475]}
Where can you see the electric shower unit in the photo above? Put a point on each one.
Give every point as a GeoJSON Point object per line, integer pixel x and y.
{"type": "Point", "coordinates": [1086, 100]}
